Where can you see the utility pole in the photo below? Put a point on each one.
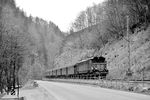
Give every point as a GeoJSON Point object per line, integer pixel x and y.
{"type": "Point", "coordinates": [143, 76]}
{"type": "Point", "coordinates": [129, 51]}
{"type": "Point", "coordinates": [128, 36]}
{"type": "Point", "coordinates": [18, 85]}
{"type": "Point", "coordinates": [86, 20]}
{"type": "Point", "coordinates": [81, 44]}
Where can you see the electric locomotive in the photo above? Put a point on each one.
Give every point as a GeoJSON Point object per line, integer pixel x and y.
{"type": "Point", "coordinates": [91, 67]}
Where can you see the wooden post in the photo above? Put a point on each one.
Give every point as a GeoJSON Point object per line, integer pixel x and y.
{"type": "Point", "coordinates": [143, 76]}
{"type": "Point", "coordinates": [18, 86]}
{"type": "Point", "coordinates": [128, 36]}
{"type": "Point", "coordinates": [128, 73]}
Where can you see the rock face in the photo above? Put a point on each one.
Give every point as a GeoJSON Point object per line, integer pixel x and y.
{"type": "Point", "coordinates": [116, 54]}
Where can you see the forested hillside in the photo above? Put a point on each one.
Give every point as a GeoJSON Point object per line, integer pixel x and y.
{"type": "Point", "coordinates": [27, 45]}
{"type": "Point", "coordinates": [112, 29]}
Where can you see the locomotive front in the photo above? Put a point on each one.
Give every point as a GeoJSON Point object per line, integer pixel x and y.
{"type": "Point", "coordinates": [99, 66]}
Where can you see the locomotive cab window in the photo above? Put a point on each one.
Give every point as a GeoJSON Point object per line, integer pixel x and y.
{"type": "Point", "coordinates": [98, 60]}
{"type": "Point", "coordinates": [99, 63]}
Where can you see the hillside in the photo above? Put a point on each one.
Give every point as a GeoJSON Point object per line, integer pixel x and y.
{"type": "Point", "coordinates": [101, 30]}
{"type": "Point", "coordinates": [115, 52]}
{"type": "Point", "coordinates": [40, 39]}
{"type": "Point", "coordinates": [76, 47]}
{"type": "Point", "coordinates": [29, 46]}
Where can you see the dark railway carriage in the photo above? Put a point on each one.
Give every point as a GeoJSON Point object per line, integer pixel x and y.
{"type": "Point", "coordinates": [59, 73]}
{"type": "Point", "coordinates": [83, 67]}
{"type": "Point", "coordinates": [54, 73]}
{"type": "Point", "coordinates": [49, 74]}
{"type": "Point", "coordinates": [64, 72]}
{"type": "Point", "coordinates": [92, 67]}
{"type": "Point", "coordinates": [71, 70]}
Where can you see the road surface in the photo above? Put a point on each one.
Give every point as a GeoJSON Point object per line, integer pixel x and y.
{"type": "Point", "coordinates": [66, 91]}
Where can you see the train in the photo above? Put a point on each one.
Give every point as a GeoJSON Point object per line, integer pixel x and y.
{"type": "Point", "coordinates": [94, 67]}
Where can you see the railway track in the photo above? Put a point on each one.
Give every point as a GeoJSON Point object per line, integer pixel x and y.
{"type": "Point", "coordinates": [108, 82]}
{"type": "Point", "coordinates": [135, 86]}
{"type": "Point", "coordinates": [101, 80]}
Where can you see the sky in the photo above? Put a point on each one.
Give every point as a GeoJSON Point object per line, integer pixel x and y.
{"type": "Point", "coordinates": [60, 12]}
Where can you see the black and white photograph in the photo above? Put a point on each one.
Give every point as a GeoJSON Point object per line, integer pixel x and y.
{"type": "Point", "coordinates": [74, 49]}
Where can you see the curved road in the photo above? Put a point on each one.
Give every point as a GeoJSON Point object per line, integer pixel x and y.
{"type": "Point", "coordinates": [66, 91]}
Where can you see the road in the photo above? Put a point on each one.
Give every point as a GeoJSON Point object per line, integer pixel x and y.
{"type": "Point", "coordinates": [66, 91]}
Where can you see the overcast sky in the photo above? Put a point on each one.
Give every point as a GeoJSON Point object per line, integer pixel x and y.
{"type": "Point", "coordinates": [60, 12]}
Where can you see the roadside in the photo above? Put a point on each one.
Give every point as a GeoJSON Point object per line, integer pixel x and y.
{"type": "Point", "coordinates": [1, 95]}
{"type": "Point", "coordinates": [66, 91]}
{"type": "Point", "coordinates": [135, 87]}
{"type": "Point", "coordinates": [31, 91]}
